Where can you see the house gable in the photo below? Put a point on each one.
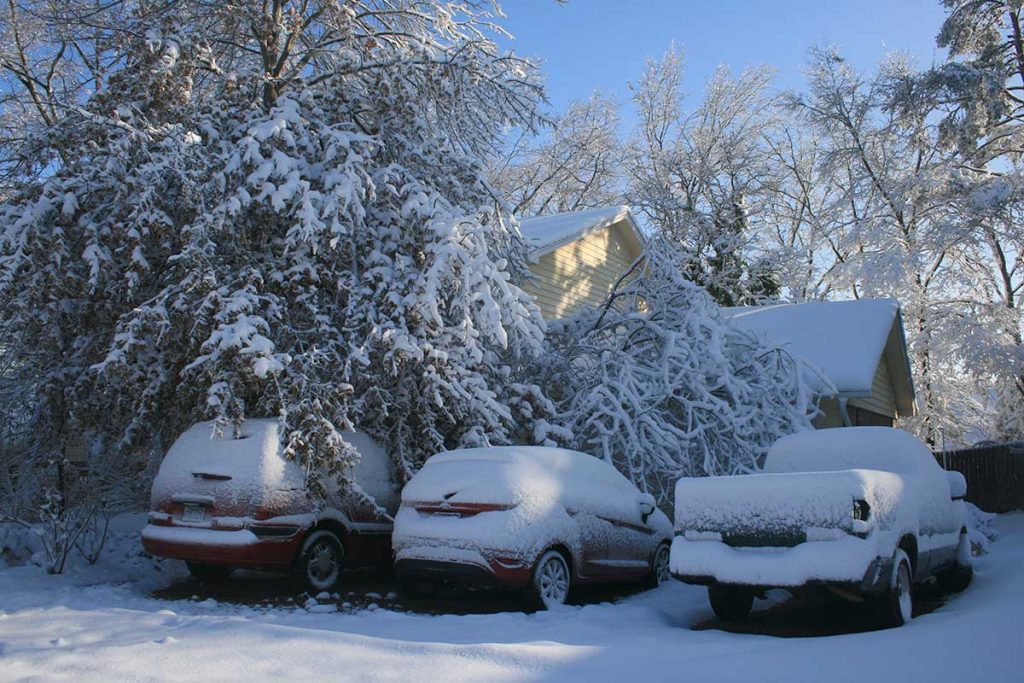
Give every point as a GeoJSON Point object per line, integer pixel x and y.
{"type": "Point", "coordinates": [577, 262]}
{"type": "Point", "coordinates": [857, 346]}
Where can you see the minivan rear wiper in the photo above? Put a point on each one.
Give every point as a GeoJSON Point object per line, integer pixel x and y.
{"type": "Point", "coordinates": [210, 475]}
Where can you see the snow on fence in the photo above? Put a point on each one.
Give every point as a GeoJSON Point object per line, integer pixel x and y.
{"type": "Point", "coordinates": [994, 474]}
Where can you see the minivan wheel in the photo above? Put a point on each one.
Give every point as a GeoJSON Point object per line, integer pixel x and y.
{"type": "Point", "coordinates": [320, 560]}
{"type": "Point", "coordinates": [551, 580]}
{"type": "Point", "coordinates": [660, 568]}
{"type": "Point", "coordinates": [730, 603]}
{"type": "Point", "coordinates": [897, 605]}
{"type": "Point", "coordinates": [209, 573]}
{"type": "Point", "coordinates": [958, 577]}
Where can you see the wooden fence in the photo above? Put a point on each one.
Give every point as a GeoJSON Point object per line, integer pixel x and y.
{"type": "Point", "coordinates": [994, 474]}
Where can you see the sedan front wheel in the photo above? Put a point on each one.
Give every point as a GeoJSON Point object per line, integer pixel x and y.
{"type": "Point", "coordinates": [660, 572]}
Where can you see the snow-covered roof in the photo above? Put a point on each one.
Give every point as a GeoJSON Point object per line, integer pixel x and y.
{"type": "Point", "coordinates": [546, 233]}
{"type": "Point", "coordinates": [845, 340]}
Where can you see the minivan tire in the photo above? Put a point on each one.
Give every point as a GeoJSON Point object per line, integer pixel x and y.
{"type": "Point", "coordinates": [320, 561]}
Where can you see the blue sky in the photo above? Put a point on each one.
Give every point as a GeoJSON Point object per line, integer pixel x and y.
{"type": "Point", "coordinates": [589, 45]}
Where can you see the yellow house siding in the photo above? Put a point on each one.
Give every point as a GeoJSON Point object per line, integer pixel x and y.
{"type": "Point", "coordinates": [581, 272]}
{"type": "Point", "coordinates": [881, 400]}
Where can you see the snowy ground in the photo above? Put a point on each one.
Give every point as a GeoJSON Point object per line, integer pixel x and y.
{"type": "Point", "coordinates": [122, 622]}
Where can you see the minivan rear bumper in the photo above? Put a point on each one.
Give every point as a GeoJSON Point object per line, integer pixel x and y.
{"type": "Point", "coordinates": [240, 547]}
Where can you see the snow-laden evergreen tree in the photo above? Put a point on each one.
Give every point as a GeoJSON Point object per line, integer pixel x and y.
{"type": "Point", "coordinates": [658, 383]}
{"type": "Point", "coordinates": [976, 93]}
{"type": "Point", "coordinates": [278, 209]}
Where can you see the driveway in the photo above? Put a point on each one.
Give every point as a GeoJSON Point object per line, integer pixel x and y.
{"type": "Point", "coordinates": [94, 624]}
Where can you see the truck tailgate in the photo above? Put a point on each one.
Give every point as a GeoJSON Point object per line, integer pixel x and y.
{"type": "Point", "coordinates": [772, 510]}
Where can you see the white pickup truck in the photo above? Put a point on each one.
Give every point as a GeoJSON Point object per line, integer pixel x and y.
{"type": "Point", "coordinates": [864, 511]}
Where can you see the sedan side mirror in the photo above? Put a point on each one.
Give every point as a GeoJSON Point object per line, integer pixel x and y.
{"type": "Point", "coordinates": [647, 505]}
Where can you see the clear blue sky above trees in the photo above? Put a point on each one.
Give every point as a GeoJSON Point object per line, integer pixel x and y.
{"type": "Point", "coordinates": [589, 45]}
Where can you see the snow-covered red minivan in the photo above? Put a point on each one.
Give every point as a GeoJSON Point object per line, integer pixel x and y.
{"type": "Point", "coordinates": [527, 517]}
{"type": "Point", "coordinates": [221, 502]}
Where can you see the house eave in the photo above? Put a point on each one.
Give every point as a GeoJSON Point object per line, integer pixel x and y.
{"type": "Point", "coordinates": [623, 216]}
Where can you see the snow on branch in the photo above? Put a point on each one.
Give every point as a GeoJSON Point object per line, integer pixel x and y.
{"type": "Point", "coordinates": [667, 388]}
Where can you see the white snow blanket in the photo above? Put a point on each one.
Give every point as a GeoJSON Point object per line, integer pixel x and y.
{"type": "Point", "coordinates": [100, 625]}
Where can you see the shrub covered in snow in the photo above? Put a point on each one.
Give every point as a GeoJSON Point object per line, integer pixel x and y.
{"type": "Point", "coordinates": [981, 527]}
{"type": "Point", "coordinates": [658, 383]}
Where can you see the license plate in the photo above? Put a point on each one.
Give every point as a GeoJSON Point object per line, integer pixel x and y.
{"type": "Point", "coordinates": [447, 514]}
{"type": "Point", "coordinates": [194, 513]}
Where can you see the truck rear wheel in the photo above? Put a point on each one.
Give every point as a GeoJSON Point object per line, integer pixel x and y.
{"type": "Point", "coordinates": [730, 603]}
{"type": "Point", "coordinates": [958, 577]}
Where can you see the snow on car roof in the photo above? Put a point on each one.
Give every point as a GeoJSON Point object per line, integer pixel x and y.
{"type": "Point", "coordinates": [842, 339]}
{"type": "Point", "coordinates": [546, 232]}
{"type": "Point", "coordinates": [515, 472]}
{"type": "Point", "coordinates": [256, 460]}
{"type": "Point", "coordinates": [560, 458]}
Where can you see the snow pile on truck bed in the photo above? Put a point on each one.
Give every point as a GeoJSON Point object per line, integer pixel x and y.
{"type": "Point", "coordinates": [781, 505]}
{"type": "Point", "coordinates": [920, 506]}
